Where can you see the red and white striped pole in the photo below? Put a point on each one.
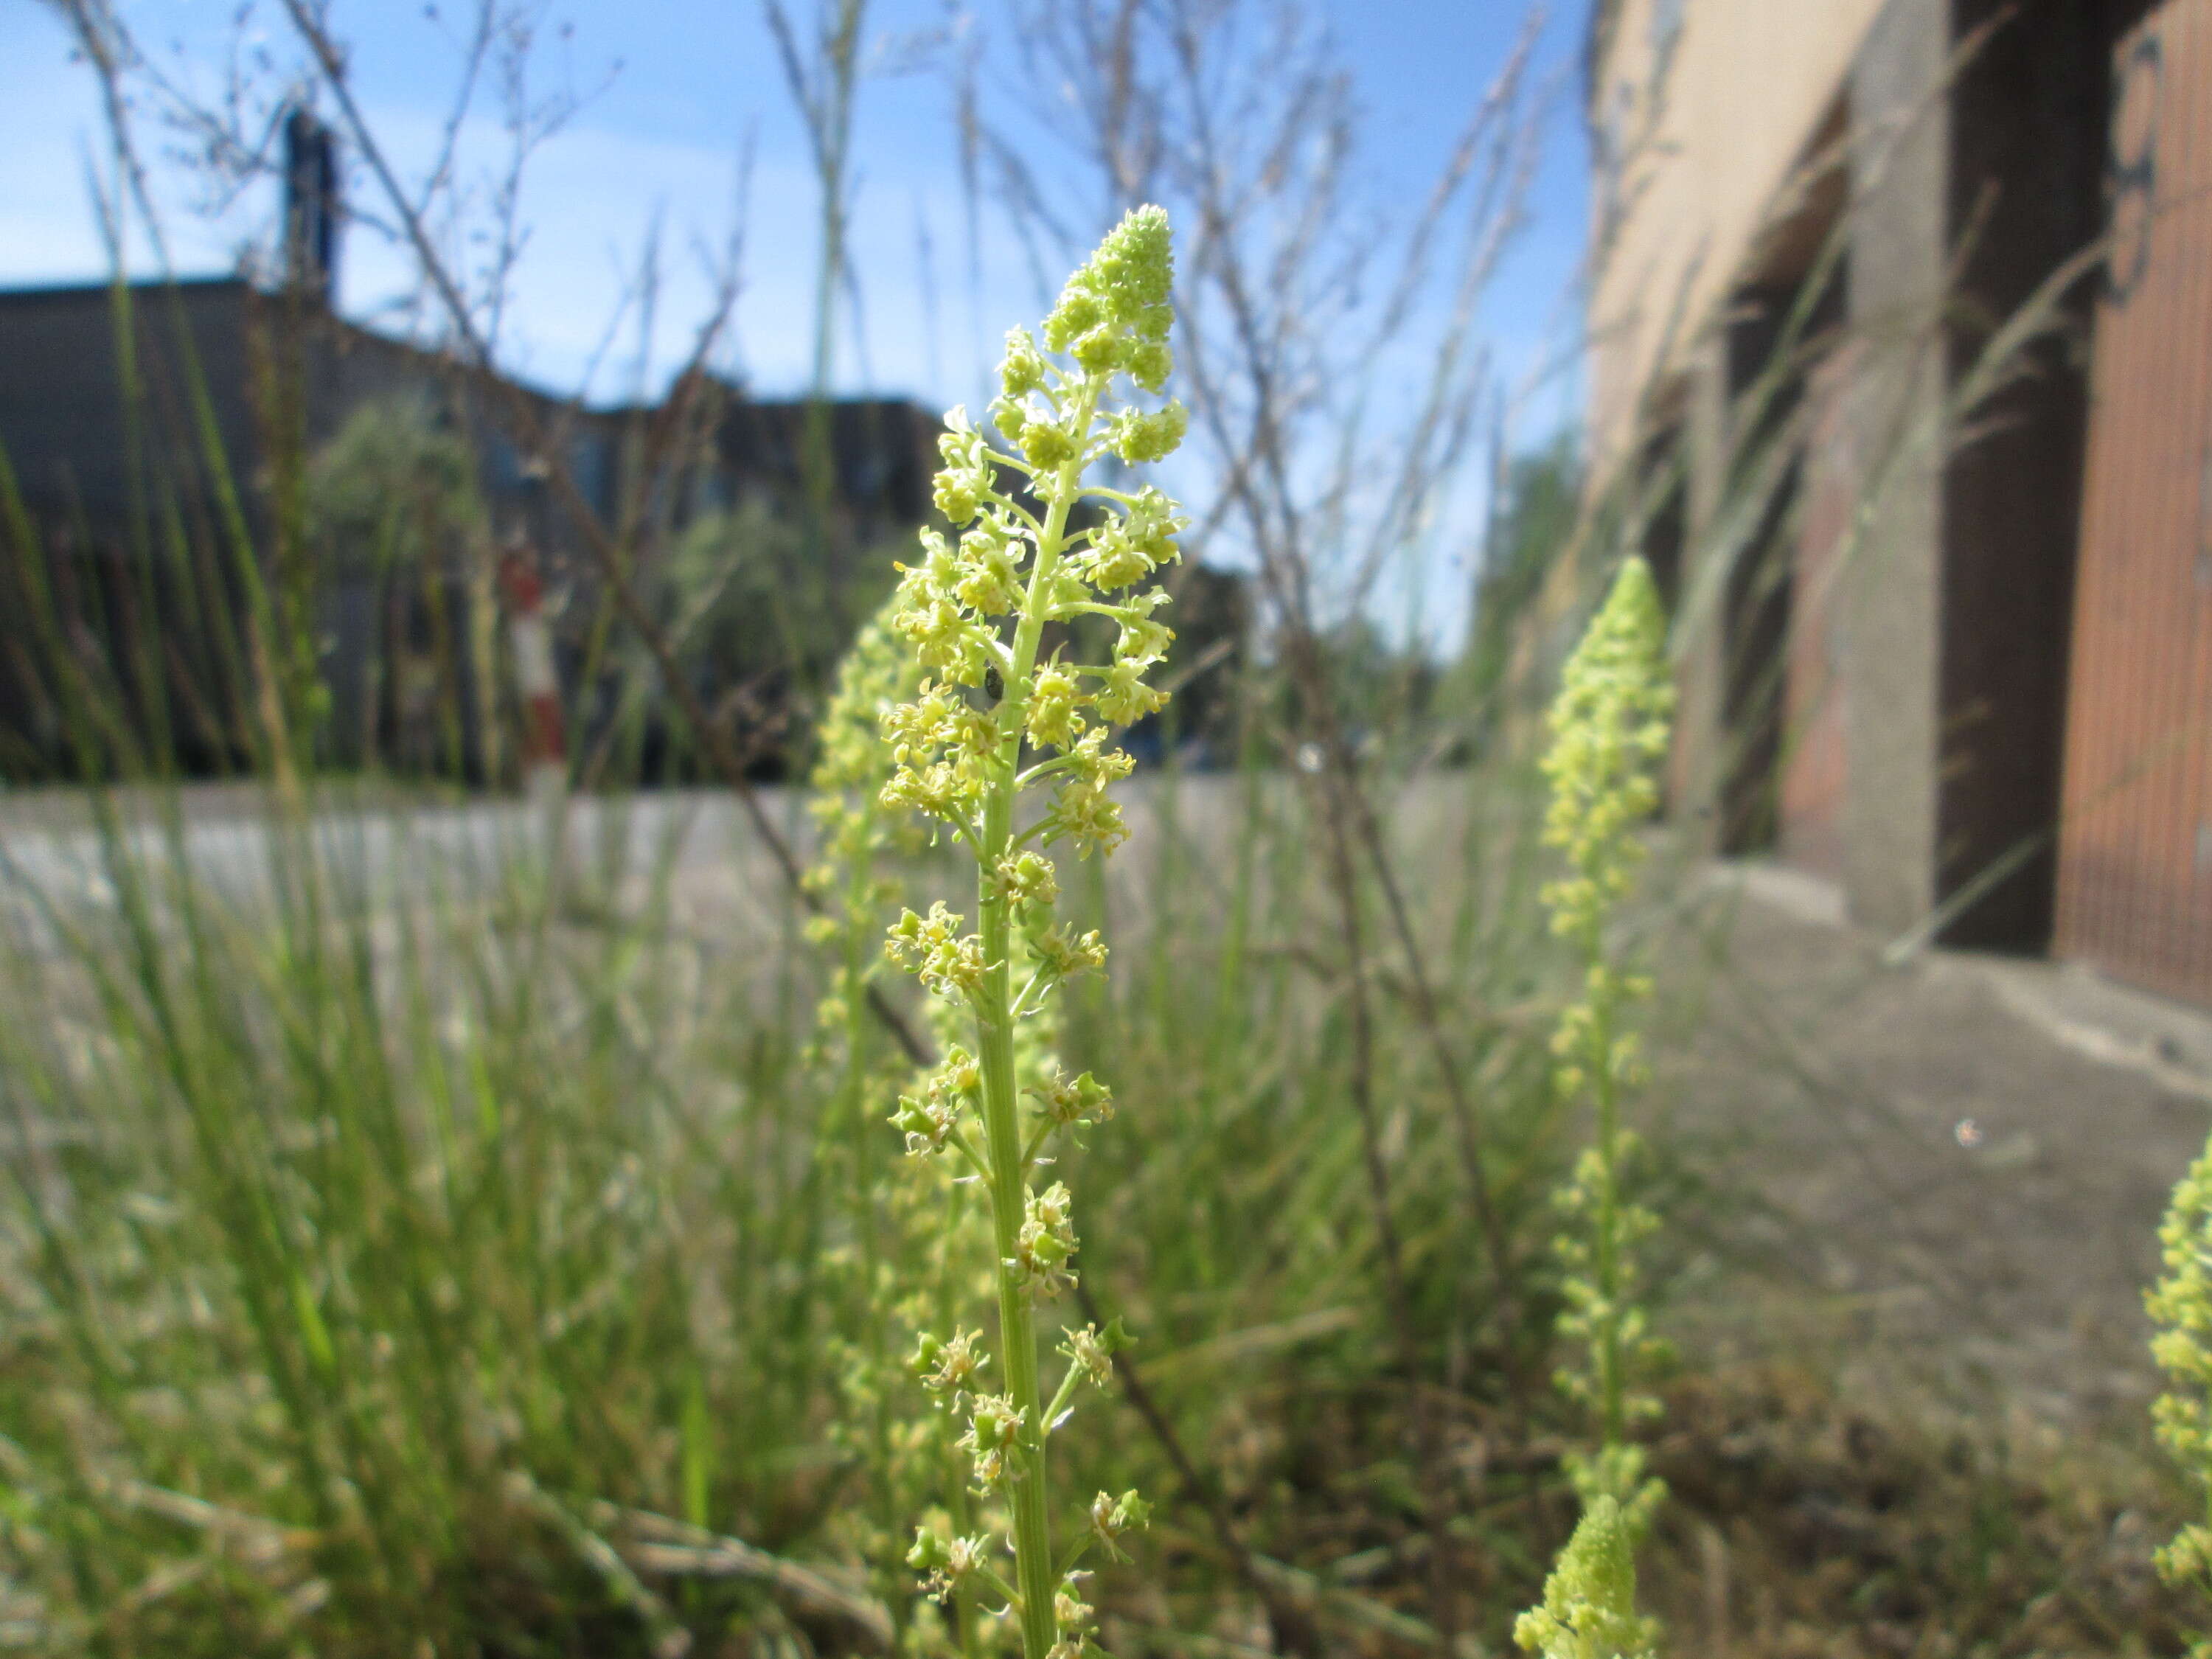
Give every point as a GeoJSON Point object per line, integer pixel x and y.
{"type": "Point", "coordinates": [544, 739]}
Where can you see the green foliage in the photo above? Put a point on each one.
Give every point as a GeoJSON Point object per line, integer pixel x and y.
{"type": "Point", "coordinates": [394, 488]}
{"type": "Point", "coordinates": [755, 605]}
{"type": "Point", "coordinates": [2180, 1304]}
{"type": "Point", "coordinates": [334, 1164]}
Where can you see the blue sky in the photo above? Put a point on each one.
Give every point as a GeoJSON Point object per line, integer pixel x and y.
{"type": "Point", "coordinates": [680, 87]}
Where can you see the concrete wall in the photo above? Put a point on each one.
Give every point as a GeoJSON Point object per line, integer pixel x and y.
{"type": "Point", "coordinates": [1956, 610]}
{"type": "Point", "coordinates": [1707, 121]}
{"type": "Point", "coordinates": [1973, 173]}
{"type": "Point", "coordinates": [1891, 616]}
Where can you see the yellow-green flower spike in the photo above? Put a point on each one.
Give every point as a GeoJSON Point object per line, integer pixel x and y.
{"type": "Point", "coordinates": [1609, 729]}
{"type": "Point", "coordinates": [1609, 733]}
{"type": "Point", "coordinates": [1589, 1610]}
{"type": "Point", "coordinates": [994, 719]}
{"type": "Point", "coordinates": [2180, 1304]}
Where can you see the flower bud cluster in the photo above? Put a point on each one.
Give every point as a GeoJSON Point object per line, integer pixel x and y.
{"type": "Point", "coordinates": [1595, 1317]}
{"type": "Point", "coordinates": [932, 946]}
{"type": "Point", "coordinates": [1062, 955]}
{"type": "Point", "coordinates": [963, 605]}
{"type": "Point", "coordinates": [994, 609]}
{"type": "Point", "coordinates": [946, 1369]}
{"type": "Point", "coordinates": [874, 678]}
{"type": "Point", "coordinates": [994, 1431]}
{"type": "Point", "coordinates": [1586, 1044]}
{"type": "Point", "coordinates": [1093, 1350]}
{"type": "Point", "coordinates": [1068, 1101]}
{"type": "Point", "coordinates": [947, 1562]}
{"type": "Point", "coordinates": [928, 1118]}
{"type": "Point", "coordinates": [1618, 1474]}
{"type": "Point", "coordinates": [907, 1249]}
{"type": "Point", "coordinates": [1027, 881]}
{"type": "Point", "coordinates": [1138, 437]}
{"type": "Point", "coordinates": [1590, 1600]}
{"type": "Point", "coordinates": [1074, 1620]}
{"type": "Point", "coordinates": [967, 479]}
{"type": "Point", "coordinates": [1128, 549]}
{"type": "Point", "coordinates": [1082, 812]}
{"type": "Point", "coordinates": [1113, 1517]}
{"type": "Point", "coordinates": [1113, 313]}
{"type": "Point", "coordinates": [877, 675]}
{"type": "Point", "coordinates": [1609, 729]}
{"type": "Point", "coordinates": [1045, 1243]}
{"type": "Point", "coordinates": [941, 751]}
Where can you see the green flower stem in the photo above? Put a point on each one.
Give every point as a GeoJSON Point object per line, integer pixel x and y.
{"type": "Point", "coordinates": [1008, 1156]}
{"type": "Point", "coordinates": [967, 1620]}
{"type": "Point", "coordinates": [1605, 1224]}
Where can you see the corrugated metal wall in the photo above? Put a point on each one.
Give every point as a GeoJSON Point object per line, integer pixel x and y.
{"type": "Point", "coordinates": [2135, 876]}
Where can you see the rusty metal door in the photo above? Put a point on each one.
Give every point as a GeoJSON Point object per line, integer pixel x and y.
{"type": "Point", "coordinates": [2135, 866]}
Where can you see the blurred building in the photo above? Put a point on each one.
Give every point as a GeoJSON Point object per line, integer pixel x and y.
{"type": "Point", "coordinates": [1901, 323]}
{"type": "Point", "coordinates": [149, 430]}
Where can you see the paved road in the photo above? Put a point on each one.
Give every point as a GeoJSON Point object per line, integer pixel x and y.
{"type": "Point", "coordinates": [54, 863]}
{"type": "Point", "coordinates": [1960, 1161]}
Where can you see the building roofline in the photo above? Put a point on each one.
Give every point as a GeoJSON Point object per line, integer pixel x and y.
{"type": "Point", "coordinates": [741, 398]}
{"type": "Point", "coordinates": [153, 287]}
{"type": "Point", "coordinates": [32, 293]}
{"type": "Point", "coordinates": [437, 356]}
{"type": "Point", "coordinates": [46, 293]}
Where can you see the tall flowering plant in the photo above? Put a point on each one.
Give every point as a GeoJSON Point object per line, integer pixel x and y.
{"type": "Point", "coordinates": [1006, 746]}
{"type": "Point", "coordinates": [1609, 729]}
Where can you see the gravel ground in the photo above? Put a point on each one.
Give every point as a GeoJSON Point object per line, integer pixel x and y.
{"type": "Point", "coordinates": [1963, 1160]}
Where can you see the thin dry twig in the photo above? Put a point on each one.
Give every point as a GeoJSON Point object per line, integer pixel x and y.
{"type": "Point", "coordinates": [670, 1548]}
